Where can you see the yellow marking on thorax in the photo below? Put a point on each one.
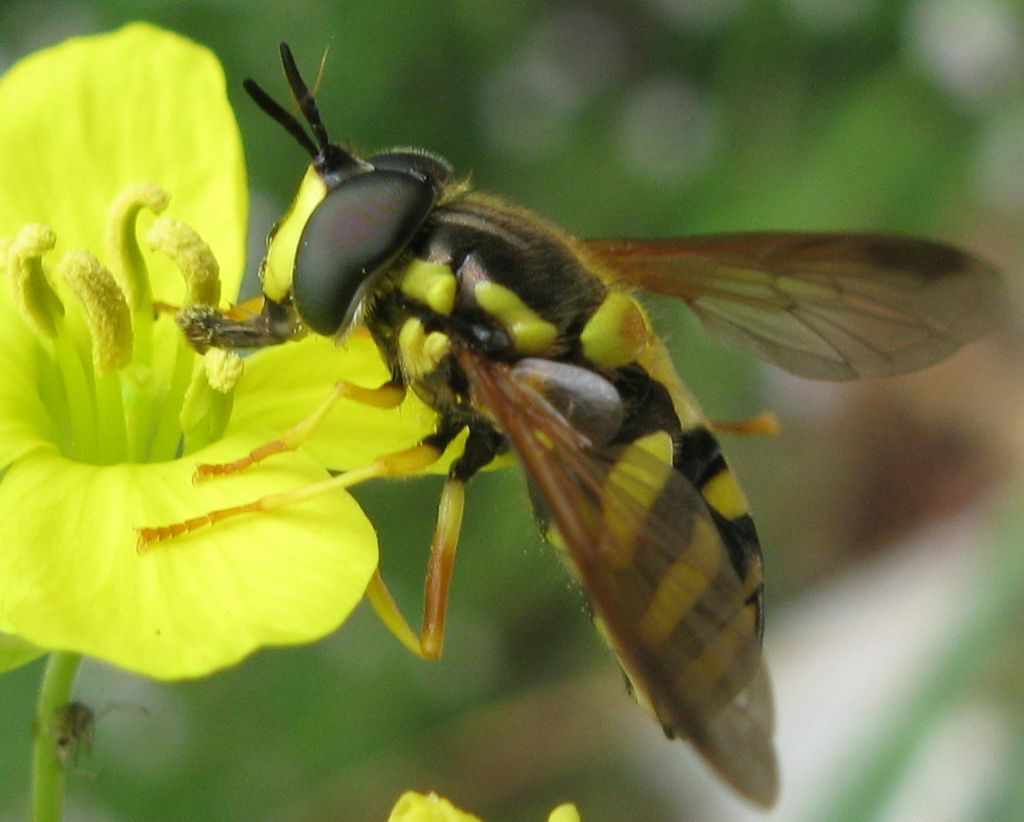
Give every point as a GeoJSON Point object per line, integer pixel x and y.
{"type": "Point", "coordinates": [430, 284]}
{"type": "Point", "coordinates": [724, 495]}
{"type": "Point", "coordinates": [683, 584]}
{"type": "Point", "coordinates": [642, 487]}
{"type": "Point", "coordinates": [279, 266]}
{"type": "Point", "coordinates": [617, 333]}
{"type": "Point", "coordinates": [421, 352]}
{"type": "Point", "coordinates": [530, 333]}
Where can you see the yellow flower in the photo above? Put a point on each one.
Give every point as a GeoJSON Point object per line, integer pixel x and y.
{"type": "Point", "coordinates": [104, 411]}
{"type": "Point", "coordinates": [418, 807]}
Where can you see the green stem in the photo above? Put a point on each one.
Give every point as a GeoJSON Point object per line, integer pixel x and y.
{"type": "Point", "coordinates": [47, 771]}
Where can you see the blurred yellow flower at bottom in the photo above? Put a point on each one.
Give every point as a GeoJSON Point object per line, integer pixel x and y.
{"type": "Point", "coordinates": [565, 813]}
{"type": "Point", "coordinates": [418, 807]}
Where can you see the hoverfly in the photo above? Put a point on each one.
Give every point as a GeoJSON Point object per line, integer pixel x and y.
{"type": "Point", "coordinates": [530, 340]}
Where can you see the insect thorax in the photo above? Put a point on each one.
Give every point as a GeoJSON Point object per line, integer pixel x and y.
{"type": "Point", "coordinates": [500, 281]}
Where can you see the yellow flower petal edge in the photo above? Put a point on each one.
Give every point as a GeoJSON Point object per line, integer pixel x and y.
{"type": "Point", "coordinates": [15, 652]}
{"type": "Point", "coordinates": [90, 117]}
{"type": "Point", "coordinates": [196, 604]}
{"type": "Point", "coordinates": [566, 812]}
{"type": "Point", "coordinates": [418, 807]}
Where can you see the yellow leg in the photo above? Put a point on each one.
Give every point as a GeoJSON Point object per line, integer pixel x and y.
{"type": "Point", "coordinates": [765, 424]}
{"type": "Point", "coordinates": [401, 463]}
{"type": "Point", "coordinates": [389, 395]}
{"type": "Point", "coordinates": [430, 642]}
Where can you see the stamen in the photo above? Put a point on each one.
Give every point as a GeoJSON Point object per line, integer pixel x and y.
{"type": "Point", "coordinates": [206, 407]}
{"type": "Point", "coordinates": [33, 295]}
{"type": "Point", "coordinates": [191, 255]}
{"type": "Point", "coordinates": [104, 307]}
{"type": "Point", "coordinates": [123, 250]}
{"type": "Point", "coordinates": [223, 369]}
{"type": "Point", "coordinates": [196, 403]}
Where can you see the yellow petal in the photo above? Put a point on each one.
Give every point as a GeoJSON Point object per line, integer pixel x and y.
{"type": "Point", "coordinates": [71, 579]}
{"type": "Point", "coordinates": [85, 119]}
{"type": "Point", "coordinates": [418, 807]}
{"type": "Point", "coordinates": [565, 813]}
{"type": "Point", "coordinates": [15, 652]}
{"type": "Point", "coordinates": [282, 385]}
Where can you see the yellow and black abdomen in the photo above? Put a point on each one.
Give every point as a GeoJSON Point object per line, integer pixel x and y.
{"type": "Point", "coordinates": [698, 457]}
{"type": "Point", "coordinates": [697, 463]}
{"type": "Point", "coordinates": [681, 591]}
{"type": "Point", "coordinates": [618, 340]}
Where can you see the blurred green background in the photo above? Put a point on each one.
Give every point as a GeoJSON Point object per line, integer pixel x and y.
{"type": "Point", "coordinates": [885, 510]}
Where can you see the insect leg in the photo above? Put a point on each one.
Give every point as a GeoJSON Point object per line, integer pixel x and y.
{"type": "Point", "coordinates": [252, 324]}
{"type": "Point", "coordinates": [482, 445]}
{"type": "Point", "coordinates": [398, 464]}
{"type": "Point", "coordinates": [441, 566]}
{"type": "Point", "coordinates": [430, 642]}
{"type": "Point", "coordinates": [765, 424]}
{"type": "Point", "coordinates": [389, 395]}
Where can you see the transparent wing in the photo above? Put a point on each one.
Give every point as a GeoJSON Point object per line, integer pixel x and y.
{"type": "Point", "coordinates": [658, 576]}
{"type": "Point", "coordinates": [829, 306]}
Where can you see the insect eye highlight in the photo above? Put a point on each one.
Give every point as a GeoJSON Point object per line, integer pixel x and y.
{"type": "Point", "coordinates": [358, 231]}
{"type": "Point", "coordinates": [415, 161]}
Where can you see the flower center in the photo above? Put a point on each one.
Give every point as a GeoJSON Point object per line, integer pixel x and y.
{"type": "Point", "coordinates": [115, 376]}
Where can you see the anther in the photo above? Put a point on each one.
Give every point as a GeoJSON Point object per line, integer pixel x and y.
{"type": "Point", "coordinates": [191, 255]}
{"type": "Point", "coordinates": [123, 250]}
{"type": "Point", "coordinates": [104, 308]}
{"type": "Point", "coordinates": [223, 369]}
{"type": "Point", "coordinates": [33, 295]}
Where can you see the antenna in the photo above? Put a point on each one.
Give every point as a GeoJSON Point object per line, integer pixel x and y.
{"type": "Point", "coordinates": [305, 100]}
{"type": "Point", "coordinates": [277, 112]}
{"type": "Point", "coordinates": [331, 161]}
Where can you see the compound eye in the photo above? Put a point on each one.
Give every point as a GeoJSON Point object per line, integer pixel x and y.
{"type": "Point", "coordinates": [416, 162]}
{"type": "Point", "coordinates": [356, 232]}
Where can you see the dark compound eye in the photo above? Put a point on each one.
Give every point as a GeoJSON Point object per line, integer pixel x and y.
{"type": "Point", "coordinates": [415, 161]}
{"type": "Point", "coordinates": [357, 231]}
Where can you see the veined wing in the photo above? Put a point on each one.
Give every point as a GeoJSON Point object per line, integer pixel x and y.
{"type": "Point", "coordinates": [659, 579]}
{"type": "Point", "coordinates": [829, 306]}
